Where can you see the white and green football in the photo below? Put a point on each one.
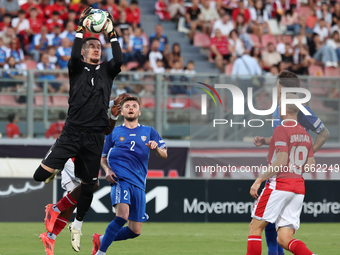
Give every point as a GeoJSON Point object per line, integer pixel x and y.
{"type": "Point", "coordinates": [96, 21]}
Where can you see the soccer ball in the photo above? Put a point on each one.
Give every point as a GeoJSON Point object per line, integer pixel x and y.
{"type": "Point", "coordinates": [96, 21]}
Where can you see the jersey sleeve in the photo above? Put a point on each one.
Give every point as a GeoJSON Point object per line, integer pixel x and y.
{"type": "Point", "coordinates": [108, 144]}
{"type": "Point", "coordinates": [154, 136]}
{"type": "Point", "coordinates": [280, 139]}
{"type": "Point", "coordinates": [311, 122]}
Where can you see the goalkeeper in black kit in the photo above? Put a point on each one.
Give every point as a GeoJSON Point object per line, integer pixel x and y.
{"type": "Point", "coordinates": [87, 123]}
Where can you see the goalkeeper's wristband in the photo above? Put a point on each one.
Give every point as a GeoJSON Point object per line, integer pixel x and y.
{"type": "Point", "coordinates": [113, 36]}
{"type": "Point", "coordinates": [114, 117]}
{"type": "Point", "coordinates": [80, 31]}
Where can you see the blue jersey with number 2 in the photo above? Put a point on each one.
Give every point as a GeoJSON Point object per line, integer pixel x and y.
{"type": "Point", "coordinates": [309, 122]}
{"type": "Point", "coordinates": [127, 154]}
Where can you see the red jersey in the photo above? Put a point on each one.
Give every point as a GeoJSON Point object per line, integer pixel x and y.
{"type": "Point", "coordinates": [3, 26]}
{"type": "Point", "coordinates": [51, 24]}
{"type": "Point", "coordinates": [299, 146]}
{"type": "Point", "coordinates": [246, 14]}
{"type": "Point", "coordinates": [221, 45]}
{"type": "Point", "coordinates": [132, 17]}
{"type": "Point", "coordinates": [113, 10]}
{"type": "Point", "coordinates": [12, 130]}
{"type": "Point", "coordinates": [160, 7]}
{"type": "Point", "coordinates": [35, 25]}
{"type": "Point", "coordinates": [77, 9]}
{"type": "Point", "coordinates": [55, 129]}
{"type": "Point", "coordinates": [62, 9]}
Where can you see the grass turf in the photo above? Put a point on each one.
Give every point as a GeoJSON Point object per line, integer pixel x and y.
{"type": "Point", "coordinates": [165, 238]}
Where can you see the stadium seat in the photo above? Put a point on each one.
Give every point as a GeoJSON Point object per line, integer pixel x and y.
{"type": "Point", "coordinates": [31, 64]}
{"type": "Point", "coordinates": [279, 39]}
{"type": "Point", "coordinates": [228, 68]}
{"type": "Point", "coordinates": [147, 102]}
{"type": "Point", "coordinates": [331, 72]}
{"type": "Point", "coordinates": [131, 65]}
{"type": "Point", "coordinates": [201, 40]}
{"type": "Point", "coordinates": [60, 101]}
{"type": "Point", "coordinates": [8, 100]}
{"type": "Point", "coordinates": [39, 101]}
{"type": "Point", "coordinates": [267, 39]}
{"type": "Point", "coordinates": [315, 70]}
{"type": "Point", "coordinates": [304, 11]}
{"type": "Point", "coordinates": [255, 40]}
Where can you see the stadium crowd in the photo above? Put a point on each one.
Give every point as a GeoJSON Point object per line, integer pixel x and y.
{"type": "Point", "coordinates": [40, 35]}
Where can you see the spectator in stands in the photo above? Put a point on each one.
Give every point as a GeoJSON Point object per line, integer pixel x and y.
{"type": "Point", "coordinates": [162, 10]}
{"type": "Point", "coordinates": [52, 86]}
{"type": "Point", "coordinates": [208, 15]}
{"type": "Point", "coordinates": [270, 79]}
{"type": "Point", "coordinates": [55, 129]}
{"type": "Point", "coordinates": [133, 14]}
{"type": "Point", "coordinates": [334, 42]}
{"type": "Point", "coordinates": [177, 9]}
{"type": "Point", "coordinates": [12, 129]}
{"type": "Point", "coordinates": [6, 22]}
{"type": "Point", "coordinates": [11, 86]}
{"type": "Point", "coordinates": [160, 66]}
{"type": "Point", "coordinates": [287, 57]}
{"type": "Point", "coordinates": [270, 56]}
{"type": "Point", "coordinates": [58, 6]}
{"type": "Point", "coordinates": [177, 89]}
{"type": "Point", "coordinates": [52, 56]}
{"type": "Point", "coordinates": [281, 47]}
{"type": "Point", "coordinates": [235, 45]}
{"type": "Point", "coordinates": [291, 20]}
{"type": "Point", "coordinates": [278, 9]}
{"type": "Point", "coordinates": [9, 6]}
{"type": "Point", "coordinates": [322, 53]}
{"type": "Point", "coordinates": [112, 8]}
{"type": "Point", "coordinates": [228, 5]}
{"type": "Point", "coordinates": [311, 21]}
{"type": "Point", "coordinates": [64, 53]}
{"type": "Point", "coordinates": [193, 18]}
{"type": "Point", "coordinates": [3, 53]}
{"type": "Point", "coordinates": [219, 48]}
{"type": "Point", "coordinates": [244, 67]}
{"type": "Point", "coordinates": [120, 89]}
{"type": "Point", "coordinates": [336, 27]}
{"type": "Point", "coordinates": [336, 13]}
{"type": "Point", "coordinates": [55, 39]}
{"type": "Point", "coordinates": [303, 60]}
{"type": "Point", "coordinates": [300, 39]}
{"type": "Point", "coordinates": [17, 53]}
{"type": "Point", "coordinates": [139, 46]}
{"type": "Point", "coordinates": [55, 21]}
{"type": "Point", "coordinates": [324, 14]}
{"type": "Point", "coordinates": [321, 29]}
{"type": "Point", "coordinates": [241, 29]}
{"type": "Point", "coordinates": [69, 32]}
{"type": "Point", "coordinates": [20, 23]}
{"type": "Point", "coordinates": [8, 36]}
{"type": "Point", "coordinates": [28, 6]}
{"type": "Point", "coordinates": [39, 43]}
{"type": "Point", "coordinates": [225, 25]}
{"type": "Point", "coordinates": [190, 73]}
{"type": "Point", "coordinates": [241, 10]}
{"type": "Point", "coordinates": [71, 18]}
{"type": "Point", "coordinates": [161, 37]}
{"type": "Point", "coordinates": [175, 55]}
{"type": "Point", "coordinates": [154, 54]}
{"type": "Point", "coordinates": [259, 19]}
{"type": "Point", "coordinates": [121, 25]}
{"type": "Point", "coordinates": [35, 22]}
{"type": "Point", "coordinates": [256, 53]}
{"type": "Point", "coordinates": [44, 5]}
{"type": "Point", "coordinates": [122, 5]}
{"type": "Point", "coordinates": [125, 43]}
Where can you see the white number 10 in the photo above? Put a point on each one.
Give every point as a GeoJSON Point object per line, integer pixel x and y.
{"type": "Point", "coordinates": [133, 145]}
{"type": "Point", "coordinates": [295, 163]}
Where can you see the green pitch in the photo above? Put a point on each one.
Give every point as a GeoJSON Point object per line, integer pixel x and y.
{"type": "Point", "coordinates": [164, 238]}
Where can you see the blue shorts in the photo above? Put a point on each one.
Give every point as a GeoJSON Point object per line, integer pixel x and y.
{"type": "Point", "coordinates": [124, 192]}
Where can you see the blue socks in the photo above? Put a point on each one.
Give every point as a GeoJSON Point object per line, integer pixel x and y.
{"type": "Point", "coordinates": [111, 233]}
{"type": "Point", "coordinates": [125, 233]}
{"type": "Point", "coordinates": [273, 247]}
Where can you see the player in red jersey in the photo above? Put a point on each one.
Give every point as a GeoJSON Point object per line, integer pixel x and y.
{"type": "Point", "coordinates": [290, 154]}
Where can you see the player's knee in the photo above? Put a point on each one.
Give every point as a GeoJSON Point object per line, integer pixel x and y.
{"type": "Point", "coordinates": [41, 174]}
{"type": "Point", "coordinates": [282, 241]}
{"type": "Point", "coordinates": [134, 232]}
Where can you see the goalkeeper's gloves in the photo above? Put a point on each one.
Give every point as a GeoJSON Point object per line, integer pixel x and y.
{"type": "Point", "coordinates": [109, 28]}
{"type": "Point", "coordinates": [83, 16]}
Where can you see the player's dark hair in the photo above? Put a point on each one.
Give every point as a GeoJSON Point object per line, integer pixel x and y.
{"type": "Point", "coordinates": [88, 39]}
{"type": "Point", "coordinates": [134, 2]}
{"type": "Point", "coordinates": [288, 79]}
{"type": "Point", "coordinates": [33, 9]}
{"type": "Point", "coordinates": [21, 11]}
{"type": "Point", "coordinates": [55, 13]}
{"type": "Point", "coordinates": [190, 62]}
{"type": "Point", "coordinates": [11, 117]}
{"type": "Point", "coordinates": [62, 116]}
{"type": "Point", "coordinates": [136, 99]}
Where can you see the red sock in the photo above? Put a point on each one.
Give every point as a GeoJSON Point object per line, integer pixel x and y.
{"type": "Point", "coordinates": [254, 245]}
{"type": "Point", "coordinates": [66, 202]}
{"type": "Point", "coordinates": [297, 247]}
{"type": "Point", "coordinates": [59, 225]}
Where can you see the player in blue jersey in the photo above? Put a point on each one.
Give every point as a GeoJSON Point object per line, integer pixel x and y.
{"type": "Point", "coordinates": [309, 122]}
{"type": "Point", "coordinates": [125, 161]}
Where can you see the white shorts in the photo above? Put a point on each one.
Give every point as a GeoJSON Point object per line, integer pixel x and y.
{"type": "Point", "coordinates": [68, 179]}
{"type": "Point", "coordinates": [280, 207]}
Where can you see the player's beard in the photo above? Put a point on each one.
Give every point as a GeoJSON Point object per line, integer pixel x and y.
{"type": "Point", "coordinates": [131, 119]}
{"type": "Point", "coordinates": [94, 60]}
